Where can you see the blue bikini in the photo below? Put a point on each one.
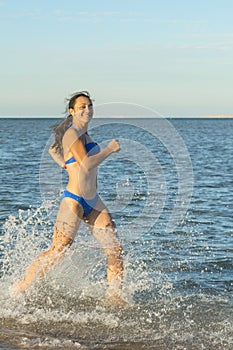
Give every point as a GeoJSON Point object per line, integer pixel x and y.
{"type": "Point", "coordinates": [92, 148]}
{"type": "Point", "coordinates": [87, 204]}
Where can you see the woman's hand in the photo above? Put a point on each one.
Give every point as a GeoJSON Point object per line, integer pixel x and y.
{"type": "Point", "coordinates": [114, 146]}
{"type": "Point", "coordinates": [57, 157]}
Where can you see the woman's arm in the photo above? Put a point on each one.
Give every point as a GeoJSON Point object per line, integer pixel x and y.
{"type": "Point", "coordinates": [57, 157]}
{"type": "Point", "coordinates": [90, 162]}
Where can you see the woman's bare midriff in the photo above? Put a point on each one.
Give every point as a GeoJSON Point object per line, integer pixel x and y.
{"type": "Point", "coordinates": [80, 182]}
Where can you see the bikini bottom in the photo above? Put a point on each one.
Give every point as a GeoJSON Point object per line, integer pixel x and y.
{"type": "Point", "coordinates": [87, 204]}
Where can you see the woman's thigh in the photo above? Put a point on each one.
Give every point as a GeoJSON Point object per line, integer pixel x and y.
{"type": "Point", "coordinates": [69, 217]}
{"type": "Point", "coordinates": [102, 226]}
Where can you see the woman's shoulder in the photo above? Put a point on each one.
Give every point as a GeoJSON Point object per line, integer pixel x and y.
{"type": "Point", "coordinates": [70, 136]}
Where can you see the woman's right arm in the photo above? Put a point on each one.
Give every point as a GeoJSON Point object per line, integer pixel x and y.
{"type": "Point", "coordinates": [90, 162]}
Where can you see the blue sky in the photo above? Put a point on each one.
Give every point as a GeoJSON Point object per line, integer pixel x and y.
{"type": "Point", "coordinates": [174, 56]}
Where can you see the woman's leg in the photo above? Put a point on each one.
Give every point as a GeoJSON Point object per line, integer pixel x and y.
{"type": "Point", "coordinates": [68, 221]}
{"type": "Point", "coordinates": [44, 261]}
{"type": "Point", "coordinates": [104, 230]}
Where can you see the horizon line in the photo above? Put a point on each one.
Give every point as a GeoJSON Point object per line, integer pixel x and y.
{"type": "Point", "coordinates": [126, 117]}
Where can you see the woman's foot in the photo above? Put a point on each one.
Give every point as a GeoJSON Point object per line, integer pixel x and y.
{"type": "Point", "coordinates": [114, 298]}
{"type": "Point", "coordinates": [18, 288]}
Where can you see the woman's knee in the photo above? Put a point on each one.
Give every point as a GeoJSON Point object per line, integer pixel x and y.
{"type": "Point", "coordinates": [108, 238]}
{"type": "Point", "coordinates": [60, 242]}
{"type": "Point", "coordinates": [115, 252]}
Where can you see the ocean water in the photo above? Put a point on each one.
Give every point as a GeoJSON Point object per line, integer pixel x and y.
{"type": "Point", "coordinates": [170, 192]}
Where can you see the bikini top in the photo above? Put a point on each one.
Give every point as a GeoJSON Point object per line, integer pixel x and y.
{"type": "Point", "coordinates": [92, 148]}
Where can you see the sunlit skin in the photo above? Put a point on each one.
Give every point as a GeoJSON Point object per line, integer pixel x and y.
{"type": "Point", "coordinates": [82, 182]}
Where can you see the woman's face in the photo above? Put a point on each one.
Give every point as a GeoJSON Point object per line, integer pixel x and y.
{"type": "Point", "coordinates": [83, 109]}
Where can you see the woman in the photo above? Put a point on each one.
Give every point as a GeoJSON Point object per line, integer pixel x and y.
{"type": "Point", "coordinates": [74, 150]}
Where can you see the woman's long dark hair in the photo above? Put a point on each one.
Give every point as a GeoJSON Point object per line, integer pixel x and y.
{"type": "Point", "coordinates": [60, 128]}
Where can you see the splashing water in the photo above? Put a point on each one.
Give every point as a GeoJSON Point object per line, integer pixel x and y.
{"type": "Point", "coordinates": [66, 308]}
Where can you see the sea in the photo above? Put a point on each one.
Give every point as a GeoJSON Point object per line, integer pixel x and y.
{"type": "Point", "coordinates": [170, 192]}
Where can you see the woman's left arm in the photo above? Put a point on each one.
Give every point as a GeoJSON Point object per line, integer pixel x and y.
{"type": "Point", "coordinates": [57, 157]}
